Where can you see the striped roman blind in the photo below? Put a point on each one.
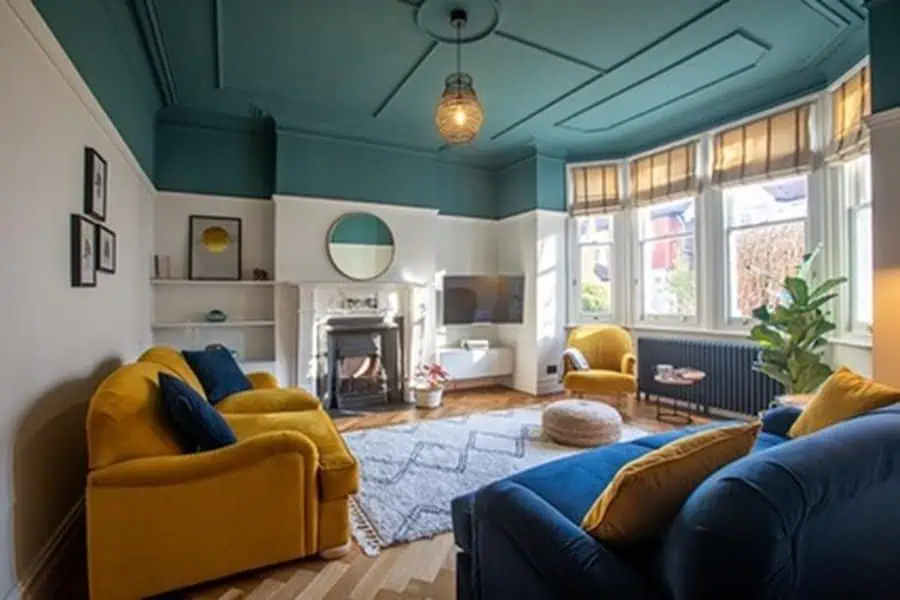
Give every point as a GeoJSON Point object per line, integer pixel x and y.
{"type": "Point", "coordinates": [664, 175]}
{"type": "Point", "coordinates": [770, 147]}
{"type": "Point", "coordinates": [595, 190]}
{"type": "Point", "coordinates": [851, 103]}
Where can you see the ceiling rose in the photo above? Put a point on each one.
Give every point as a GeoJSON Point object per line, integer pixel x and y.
{"type": "Point", "coordinates": [459, 114]}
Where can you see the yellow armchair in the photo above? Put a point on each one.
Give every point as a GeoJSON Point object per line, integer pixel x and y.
{"type": "Point", "coordinates": [609, 352]}
{"type": "Point", "coordinates": [159, 520]}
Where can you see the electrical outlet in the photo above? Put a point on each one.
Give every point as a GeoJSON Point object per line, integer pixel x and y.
{"type": "Point", "coordinates": [551, 369]}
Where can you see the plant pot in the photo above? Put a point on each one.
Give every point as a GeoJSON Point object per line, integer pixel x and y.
{"type": "Point", "coordinates": [428, 397]}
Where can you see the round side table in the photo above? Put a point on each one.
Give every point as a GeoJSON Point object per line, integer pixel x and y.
{"type": "Point", "coordinates": [684, 377]}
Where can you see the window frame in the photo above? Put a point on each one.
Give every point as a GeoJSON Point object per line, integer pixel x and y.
{"type": "Point", "coordinates": [638, 265]}
{"type": "Point", "coordinates": [728, 229]}
{"type": "Point", "coordinates": [575, 247]}
{"type": "Point", "coordinates": [850, 207]}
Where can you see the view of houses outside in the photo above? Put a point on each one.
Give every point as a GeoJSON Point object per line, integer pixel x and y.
{"type": "Point", "coordinates": [667, 257]}
{"type": "Point", "coordinates": [595, 244]}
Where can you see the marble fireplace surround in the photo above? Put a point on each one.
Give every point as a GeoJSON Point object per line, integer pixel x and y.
{"type": "Point", "coordinates": [320, 301]}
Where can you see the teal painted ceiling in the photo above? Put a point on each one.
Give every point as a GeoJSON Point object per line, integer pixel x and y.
{"type": "Point", "coordinates": [576, 78]}
{"type": "Point", "coordinates": [570, 76]}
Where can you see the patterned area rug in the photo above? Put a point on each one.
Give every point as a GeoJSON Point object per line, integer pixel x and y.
{"type": "Point", "coordinates": [411, 472]}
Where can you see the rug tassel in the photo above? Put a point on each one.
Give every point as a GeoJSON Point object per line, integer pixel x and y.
{"type": "Point", "coordinates": [363, 532]}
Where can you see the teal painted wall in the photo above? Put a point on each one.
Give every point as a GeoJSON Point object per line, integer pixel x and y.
{"type": "Point", "coordinates": [551, 183]}
{"type": "Point", "coordinates": [103, 41]}
{"type": "Point", "coordinates": [228, 162]}
{"type": "Point", "coordinates": [884, 54]}
{"type": "Point", "coordinates": [516, 188]}
{"type": "Point", "coordinates": [362, 228]}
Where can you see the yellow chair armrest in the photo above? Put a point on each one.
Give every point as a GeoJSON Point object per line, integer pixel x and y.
{"type": "Point", "coordinates": [170, 470]}
{"type": "Point", "coordinates": [629, 362]}
{"type": "Point", "coordinates": [262, 380]}
{"type": "Point", "coordinates": [268, 401]}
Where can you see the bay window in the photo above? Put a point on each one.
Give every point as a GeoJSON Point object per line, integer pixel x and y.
{"type": "Point", "coordinates": [765, 233]}
{"type": "Point", "coordinates": [857, 191]}
{"type": "Point", "coordinates": [668, 276]}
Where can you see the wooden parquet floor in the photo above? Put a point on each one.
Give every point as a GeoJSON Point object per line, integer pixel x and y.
{"type": "Point", "coordinates": [425, 569]}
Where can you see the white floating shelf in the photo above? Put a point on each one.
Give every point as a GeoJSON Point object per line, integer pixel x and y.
{"type": "Point", "coordinates": [200, 282]}
{"type": "Point", "coordinates": [205, 324]}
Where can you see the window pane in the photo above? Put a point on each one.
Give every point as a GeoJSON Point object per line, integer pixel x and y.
{"type": "Point", "coordinates": [760, 258]}
{"type": "Point", "coordinates": [669, 218]}
{"type": "Point", "coordinates": [766, 202]}
{"type": "Point", "coordinates": [595, 229]}
{"type": "Point", "coordinates": [862, 265]}
{"type": "Point", "coordinates": [596, 295]}
{"type": "Point", "coordinates": [669, 280]}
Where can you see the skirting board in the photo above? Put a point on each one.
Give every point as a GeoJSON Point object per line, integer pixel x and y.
{"type": "Point", "coordinates": [53, 564]}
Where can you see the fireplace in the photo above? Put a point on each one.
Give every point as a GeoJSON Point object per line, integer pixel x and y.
{"type": "Point", "coordinates": [362, 364]}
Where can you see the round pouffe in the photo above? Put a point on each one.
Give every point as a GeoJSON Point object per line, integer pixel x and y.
{"type": "Point", "coordinates": [582, 423]}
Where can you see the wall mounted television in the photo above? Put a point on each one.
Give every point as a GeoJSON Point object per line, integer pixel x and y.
{"type": "Point", "coordinates": [483, 299]}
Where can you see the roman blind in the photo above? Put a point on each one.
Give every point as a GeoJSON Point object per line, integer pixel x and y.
{"type": "Point", "coordinates": [774, 146]}
{"type": "Point", "coordinates": [664, 175]}
{"type": "Point", "coordinates": [595, 190]}
{"type": "Point", "coordinates": [851, 103]}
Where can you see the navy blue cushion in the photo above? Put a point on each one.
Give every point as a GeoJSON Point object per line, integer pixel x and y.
{"type": "Point", "coordinates": [218, 372]}
{"type": "Point", "coordinates": [197, 425]}
{"type": "Point", "coordinates": [778, 421]}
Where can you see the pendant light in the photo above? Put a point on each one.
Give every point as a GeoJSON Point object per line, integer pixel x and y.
{"type": "Point", "coordinates": [459, 114]}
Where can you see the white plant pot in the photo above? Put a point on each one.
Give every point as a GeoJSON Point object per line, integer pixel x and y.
{"type": "Point", "coordinates": [427, 398]}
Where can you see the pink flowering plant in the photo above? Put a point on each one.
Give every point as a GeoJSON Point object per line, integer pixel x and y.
{"type": "Point", "coordinates": [430, 377]}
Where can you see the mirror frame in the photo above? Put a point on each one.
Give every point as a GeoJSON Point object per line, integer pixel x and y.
{"type": "Point", "coordinates": [334, 226]}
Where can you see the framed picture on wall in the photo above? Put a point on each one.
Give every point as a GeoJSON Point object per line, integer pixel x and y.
{"type": "Point", "coordinates": [106, 249]}
{"type": "Point", "coordinates": [215, 248]}
{"type": "Point", "coordinates": [83, 252]}
{"type": "Point", "coordinates": [96, 184]}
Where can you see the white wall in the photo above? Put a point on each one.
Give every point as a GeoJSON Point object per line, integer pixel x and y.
{"type": "Point", "coordinates": [58, 341]}
{"type": "Point", "coordinates": [172, 216]}
{"type": "Point", "coordinates": [885, 132]}
{"type": "Point", "coordinates": [550, 310]}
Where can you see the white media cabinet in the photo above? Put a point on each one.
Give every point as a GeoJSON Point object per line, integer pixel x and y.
{"type": "Point", "coordinates": [463, 364]}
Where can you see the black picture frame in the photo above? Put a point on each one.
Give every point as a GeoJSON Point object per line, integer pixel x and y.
{"type": "Point", "coordinates": [195, 269]}
{"type": "Point", "coordinates": [105, 234]}
{"type": "Point", "coordinates": [96, 184]}
{"type": "Point", "coordinates": [83, 250]}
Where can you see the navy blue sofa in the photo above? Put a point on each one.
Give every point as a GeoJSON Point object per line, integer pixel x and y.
{"type": "Point", "coordinates": [816, 518]}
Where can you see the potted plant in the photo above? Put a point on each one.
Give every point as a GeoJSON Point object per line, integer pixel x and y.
{"type": "Point", "coordinates": [428, 385]}
{"type": "Point", "coordinates": [791, 332]}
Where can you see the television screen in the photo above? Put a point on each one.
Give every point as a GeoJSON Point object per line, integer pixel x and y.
{"type": "Point", "coordinates": [483, 299]}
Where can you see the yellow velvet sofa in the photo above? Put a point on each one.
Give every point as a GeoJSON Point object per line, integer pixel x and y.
{"type": "Point", "coordinates": [609, 352]}
{"type": "Point", "coordinates": [160, 520]}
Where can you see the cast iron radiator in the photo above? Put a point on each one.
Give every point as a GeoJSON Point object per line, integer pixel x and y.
{"type": "Point", "coordinates": [731, 384]}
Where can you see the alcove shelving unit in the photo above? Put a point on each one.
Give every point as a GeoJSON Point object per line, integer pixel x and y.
{"type": "Point", "coordinates": [179, 317]}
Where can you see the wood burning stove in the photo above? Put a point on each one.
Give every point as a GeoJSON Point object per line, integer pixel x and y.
{"type": "Point", "coordinates": [363, 363]}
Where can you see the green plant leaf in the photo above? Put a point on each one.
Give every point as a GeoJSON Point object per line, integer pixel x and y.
{"type": "Point", "coordinates": [761, 313]}
{"type": "Point", "coordinates": [826, 287]}
{"type": "Point", "coordinates": [798, 290]}
{"type": "Point", "coordinates": [775, 357]}
{"type": "Point", "coordinates": [818, 302]}
{"type": "Point", "coordinates": [766, 336]}
{"type": "Point", "coordinates": [779, 375]}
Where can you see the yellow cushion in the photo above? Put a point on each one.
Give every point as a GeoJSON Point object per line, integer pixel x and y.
{"type": "Point", "coordinates": [339, 474]}
{"type": "Point", "coordinates": [172, 360]}
{"type": "Point", "coordinates": [843, 395]}
{"type": "Point", "coordinates": [599, 382]}
{"type": "Point", "coordinates": [125, 418]}
{"type": "Point", "coordinates": [647, 493]}
{"type": "Point", "coordinates": [268, 400]}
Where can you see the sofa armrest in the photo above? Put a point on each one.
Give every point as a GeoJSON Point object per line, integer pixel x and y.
{"type": "Point", "coordinates": [778, 421]}
{"type": "Point", "coordinates": [629, 362]}
{"type": "Point", "coordinates": [262, 380]}
{"type": "Point", "coordinates": [269, 400]}
{"type": "Point", "coordinates": [565, 555]}
{"type": "Point", "coordinates": [176, 469]}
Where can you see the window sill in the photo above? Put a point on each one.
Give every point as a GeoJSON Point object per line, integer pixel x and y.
{"type": "Point", "coordinates": [862, 342]}
{"type": "Point", "coordinates": [731, 333]}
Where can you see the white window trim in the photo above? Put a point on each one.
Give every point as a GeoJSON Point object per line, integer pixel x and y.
{"type": "Point", "coordinates": [638, 270]}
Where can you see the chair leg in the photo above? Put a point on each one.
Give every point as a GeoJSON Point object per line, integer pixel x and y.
{"type": "Point", "coordinates": [335, 553]}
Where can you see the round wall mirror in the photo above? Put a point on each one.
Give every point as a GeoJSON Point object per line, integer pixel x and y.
{"type": "Point", "coordinates": [360, 246]}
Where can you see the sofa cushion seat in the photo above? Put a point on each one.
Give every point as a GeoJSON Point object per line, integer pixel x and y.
{"type": "Point", "coordinates": [338, 469]}
{"type": "Point", "coordinates": [269, 400]}
{"type": "Point", "coordinates": [597, 381]}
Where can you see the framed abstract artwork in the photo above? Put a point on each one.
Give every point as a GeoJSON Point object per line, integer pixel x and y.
{"type": "Point", "coordinates": [106, 249]}
{"type": "Point", "coordinates": [83, 252]}
{"type": "Point", "coordinates": [215, 248]}
{"type": "Point", "coordinates": [96, 184]}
